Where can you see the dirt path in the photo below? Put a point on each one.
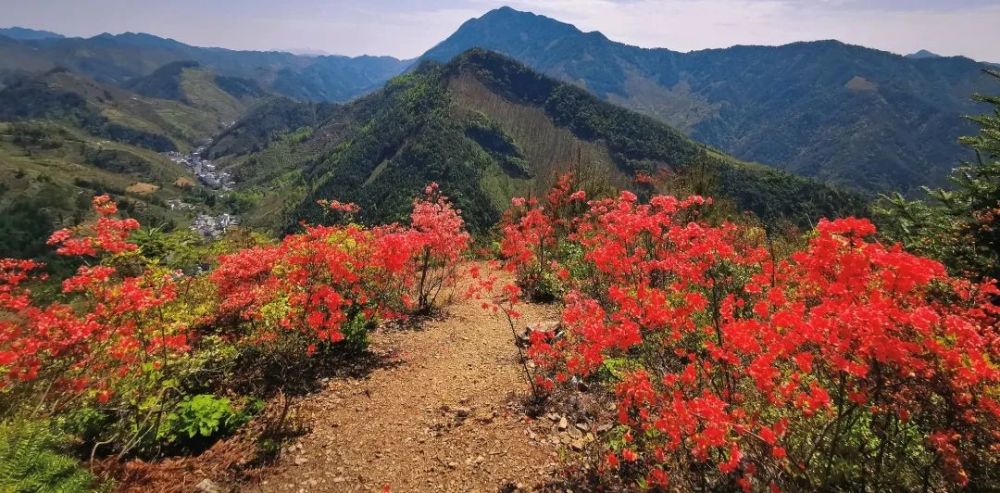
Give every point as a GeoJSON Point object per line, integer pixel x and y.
{"type": "Point", "coordinates": [445, 415]}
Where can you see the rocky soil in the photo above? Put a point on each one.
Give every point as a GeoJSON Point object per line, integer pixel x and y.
{"type": "Point", "coordinates": [443, 413]}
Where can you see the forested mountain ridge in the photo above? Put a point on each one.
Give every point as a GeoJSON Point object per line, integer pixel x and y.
{"type": "Point", "coordinates": [840, 113]}
{"type": "Point", "coordinates": [201, 109]}
{"type": "Point", "coordinates": [487, 128]}
{"type": "Point", "coordinates": [25, 34]}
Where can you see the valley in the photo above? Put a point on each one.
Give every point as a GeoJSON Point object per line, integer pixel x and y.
{"type": "Point", "coordinates": [531, 258]}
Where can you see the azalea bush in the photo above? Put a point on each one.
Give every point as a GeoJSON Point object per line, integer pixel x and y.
{"type": "Point", "coordinates": [333, 283]}
{"type": "Point", "coordinates": [437, 234]}
{"type": "Point", "coordinates": [533, 238]}
{"type": "Point", "coordinates": [138, 358]}
{"type": "Point", "coordinates": [116, 342]}
{"type": "Point", "coordinates": [848, 364]}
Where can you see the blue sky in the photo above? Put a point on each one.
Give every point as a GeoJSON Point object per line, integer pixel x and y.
{"type": "Point", "coordinates": [405, 28]}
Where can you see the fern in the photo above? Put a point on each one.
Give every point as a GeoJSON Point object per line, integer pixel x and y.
{"type": "Point", "coordinates": [33, 459]}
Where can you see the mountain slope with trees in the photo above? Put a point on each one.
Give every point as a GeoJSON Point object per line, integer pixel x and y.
{"type": "Point", "coordinates": [487, 128]}
{"type": "Point", "coordinates": [841, 113]}
{"type": "Point", "coordinates": [65, 138]}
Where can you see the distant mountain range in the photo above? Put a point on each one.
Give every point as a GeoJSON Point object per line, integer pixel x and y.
{"type": "Point", "coordinates": [25, 34]}
{"type": "Point", "coordinates": [118, 59]}
{"type": "Point", "coordinates": [486, 128]}
{"type": "Point", "coordinates": [840, 113]}
{"type": "Point", "coordinates": [84, 116]}
{"type": "Point", "coordinates": [845, 114]}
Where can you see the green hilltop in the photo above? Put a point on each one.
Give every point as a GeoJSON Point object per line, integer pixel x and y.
{"type": "Point", "coordinates": [486, 128]}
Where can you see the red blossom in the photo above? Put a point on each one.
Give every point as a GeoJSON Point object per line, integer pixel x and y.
{"type": "Point", "coordinates": [744, 355]}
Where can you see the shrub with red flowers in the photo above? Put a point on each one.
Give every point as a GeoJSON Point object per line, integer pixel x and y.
{"type": "Point", "coordinates": [334, 282]}
{"type": "Point", "coordinates": [847, 365]}
{"type": "Point", "coordinates": [534, 233]}
{"type": "Point", "coordinates": [327, 284]}
{"type": "Point", "coordinates": [438, 233]}
{"type": "Point", "coordinates": [130, 353]}
{"type": "Point", "coordinates": [117, 339]}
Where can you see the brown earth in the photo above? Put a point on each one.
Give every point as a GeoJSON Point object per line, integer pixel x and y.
{"type": "Point", "coordinates": [142, 188]}
{"type": "Point", "coordinates": [435, 406]}
{"type": "Point", "coordinates": [446, 414]}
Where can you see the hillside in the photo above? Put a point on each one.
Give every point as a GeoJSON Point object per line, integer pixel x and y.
{"type": "Point", "coordinates": [487, 128]}
{"type": "Point", "coordinates": [841, 113]}
{"type": "Point", "coordinates": [108, 111]}
{"type": "Point", "coordinates": [121, 59]}
{"type": "Point", "coordinates": [225, 98]}
{"type": "Point", "coordinates": [844, 114]}
{"type": "Point", "coordinates": [65, 138]}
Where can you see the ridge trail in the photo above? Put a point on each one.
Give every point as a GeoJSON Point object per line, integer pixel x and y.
{"type": "Point", "coordinates": [444, 414]}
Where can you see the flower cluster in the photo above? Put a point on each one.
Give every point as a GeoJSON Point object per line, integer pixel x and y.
{"type": "Point", "coordinates": [338, 206]}
{"type": "Point", "coordinates": [847, 362]}
{"type": "Point", "coordinates": [110, 327]}
{"type": "Point", "coordinates": [334, 277]}
{"type": "Point", "coordinates": [532, 232]}
{"type": "Point", "coordinates": [128, 338]}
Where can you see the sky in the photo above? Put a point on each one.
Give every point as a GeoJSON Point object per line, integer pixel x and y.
{"type": "Point", "coordinates": [406, 28]}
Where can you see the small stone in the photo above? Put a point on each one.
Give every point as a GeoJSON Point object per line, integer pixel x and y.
{"type": "Point", "coordinates": [563, 423]}
{"type": "Point", "coordinates": [339, 479]}
{"type": "Point", "coordinates": [578, 445]}
{"type": "Point", "coordinates": [207, 486]}
{"type": "Point", "coordinates": [300, 460]}
{"type": "Point", "coordinates": [583, 427]}
{"type": "Point", "coordinates": [453, 464]}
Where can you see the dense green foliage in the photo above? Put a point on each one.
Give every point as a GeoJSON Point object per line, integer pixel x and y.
{"type": "Point", "coordinates": [452, 124]}
{"type": "Point", "coordinates": [958, 226]}
{"type": "Point", "coordinates": [846, 114]}
{"type": "Point", "coordinates": [201, 418]}
{"type": "Point", "coordinates": [34, 458]}
{"type": "Point", "coordinates": [265, 122]}
{"type": "Point", "coordinates": [34, 98]}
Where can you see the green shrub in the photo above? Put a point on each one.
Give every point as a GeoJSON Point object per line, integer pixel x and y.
{"type": "Point", "coordinates": [34, 458]}
{"type": "Point", "coordinates": [201, 417]}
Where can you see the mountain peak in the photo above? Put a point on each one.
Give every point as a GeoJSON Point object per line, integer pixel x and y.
{"type": "Point", "coordinates": [139, 39]}
{"type": "Point", "coordinates": [923, 54]}
{"type": "Point", "coordinates": [510, 17]}
{"type": "Point", "coordinates": [26, 34]}
{"type": "Point", "coordinates": [505, 30]}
